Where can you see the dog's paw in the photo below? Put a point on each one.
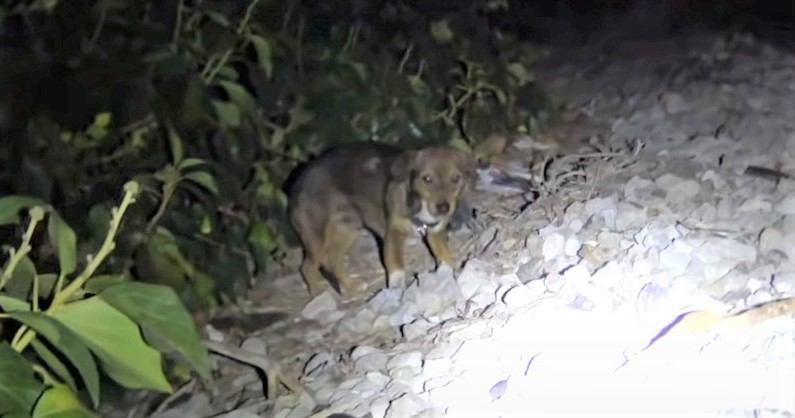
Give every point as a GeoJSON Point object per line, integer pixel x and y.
{"type": "Point", "coordinates": [397, 279]}
{"type": "Point", "coordinates": [444, 269]}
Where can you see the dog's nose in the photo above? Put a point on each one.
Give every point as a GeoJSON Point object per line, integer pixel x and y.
{"type": "Point", "coordinates": [442, 208]}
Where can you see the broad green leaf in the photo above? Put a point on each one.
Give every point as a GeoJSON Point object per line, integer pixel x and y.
{"type": "Point", "coordinates": [441, 32]}
{"type": "Point", "coordinates": [189, 163]}
{"type": "Point", "coordinates": [228, 113]}
{"type": "Point", "coordinates": [63, 238]}
{"type": "Point", "coordinates": [11, 205]}
{"type": "Point", "coordinates": [19, 389]}
{"type": "Point", "coordinates": [218, 18]}
{"type": "Point", "coordinates": [102, 119]}
{"type": "Point", "coordinates": [239, 96]}
{"type": "Point", "coordinates": [10, 304]}
{"type": "Point", "coordinates": [54, 362]}
{"type": "Point", "coordinates": [21, 279]}
{"type": "Point", "coordinates": [46, 284]}
{"type": "Point", "coordinates": [159, 311]}
{"type": "Point", "coordinates": [99, 283]}
{"type": "Point", "coordinates": [59, 401]}
{"type": "Point", "coordinates": [116, 341]}
{"type": "Point", "coordinates": [67, 343]}
{"type": "Point", "coordinates": [264, 54]}
{"type": "Point", "coordinates": [204, 179]}
{"type": "Point", "coordinates": [175, 142]}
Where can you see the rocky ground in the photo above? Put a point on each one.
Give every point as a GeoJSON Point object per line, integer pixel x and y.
{"type": "Point", "coordinates": [628, 284]}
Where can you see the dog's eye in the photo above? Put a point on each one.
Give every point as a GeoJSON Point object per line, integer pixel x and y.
{"type": "Point", "coordinates": [427, 179]}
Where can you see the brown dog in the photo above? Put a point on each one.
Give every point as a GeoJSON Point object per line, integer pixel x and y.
{"type": "Point", "coordinates": [392, 193]}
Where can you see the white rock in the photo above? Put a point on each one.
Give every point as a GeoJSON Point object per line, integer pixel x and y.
{"type": "Point", "coordinates": [572, 245]}
{"type": "Point", "coordinates": [676, 257]}
{"type": "Point", "coordinates": [637, 189]}
{"type": "Point", "coordinates": [372, 362]}
{"type": "Point", "coordinates": [433, 293]}
{"type": "Point", "coordinates": [378, 407]}
{"type": "Point", "coordinates": [372, 384]}
{"type": "Point", "coordinates": [577, 274]}
{"type": "Point", "coordinates": [523, 295]}
{"type": "Point", "coordinates": [406, 406]}
{"type": "Point", "coordinates": [629, 216]}
{"type": "Point", "coordinates": [317, 364]}
{"type": "Point", "coordinates": [363, 350]}
{"type": "Point", "coordinates": [319, 307]}
{"type": "Point", "coordinates": [784, 283]}
{"type": "Point", "coordinates": [411, 359]}
{"type": "Point", "coordinates": [359, 322]}
{"type": "Point", "coordinates": [254, 345]}
{"type": "Point", "coordinates": [476, 273]}
{"type": "Point", "coordinates": [416, 328]}
{"type": "Point", "coordinates": [553, 246]}
{"type": "Point", "coordinates": [603, 207]}
{"type": "Point", "coordinates": [786, 206]}
{"type": "Point", "coordinates": [386, 301]}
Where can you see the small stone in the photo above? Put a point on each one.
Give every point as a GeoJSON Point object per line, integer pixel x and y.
{"type": "Point", "coordinates": [386, 301]}
{"type": "Point", "coordinates": [529, 271]}
{"type": "Point", "coordinates": [629, 216]}
{"type": "Point", "coordinates": [415, 329]}
{"type": "Point", "coordinates": [359, 322]}
{"type": "Point", "coordinates": [317, 364]}
{"type": "Point", "coordinates": [572, 245]}
{"type": "Point", "coordinates": [405, 406]}
{"type": "Point", "coordinates": [676, 257]}
{"type": "Point", "coordinates": [437, 367]}
{"type": "Point", "coordinates": [378, 407]}
{"type": "Point", "coordinates": [521, 296]}
{"type": "Point", "coordinates": [474, 275]}
{"type": "Point", "coordinates": [306, 404]}
{"type": "Point", "coordinates": [784, 283]}
{"type": "Point", "coordinates": [553, 247]}
{"type": "Point", "coordinates": [373, 362]}
{"type": "Point", "coordinates": [411, 359]}
{"type": "Point", "coordinates": [319, 307]}
{"type": "Point", "coordinates": [577, 274]}
{"type": "Point", "coordinates": [254, 345]}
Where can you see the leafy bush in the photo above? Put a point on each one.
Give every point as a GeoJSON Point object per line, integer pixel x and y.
{"type": "Point", "coordinates": [96, 92]}
{"type": "Point", "coordinates": [64, 328]}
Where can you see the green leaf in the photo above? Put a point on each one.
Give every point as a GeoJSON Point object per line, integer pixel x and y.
{"type": "Point", "coordinates": [204, 179]}
{"type": "Point", "coordinates": [46, 284]}
{"type": "Point", "coordinates": [264, 54]}
{"type": "Point", "coordinates": [11, 205]}
{"type": "Point", "coordinates": [102, 120]}
{"type": "Point", "coordinates": [228, 113]}
{"type": "Point", "coordinates": [54, 362]}
{"type": "Point", "coordinates": [189, 163]}
{"type": "Point", "coordinates": [63, 238]}
{"type": "Point", "coordinates": [175, 142]}
{"type": "Point", "coordinates": [19, 389]}
{"type": "Point", "coordinates": [160, 312]}
{"type": "Point", "coordinates": [59, 401]}
{"type": "Point", "coordinates": [21, 279]}
{"type": "Point", "coordinates": [240, 96]}
{"type": "Point", "coordinates": [99, 283]}
{"type": "Point", "coordinates": [10, 304]}
{"type": "Point", "coordinates": [441, 32]}
{"type": "Point", "coordinates": [218, 18]}
{"type": "Point", "coordinates": [116, 341]}
{"type": "Point", "coordinates": [66, 342]}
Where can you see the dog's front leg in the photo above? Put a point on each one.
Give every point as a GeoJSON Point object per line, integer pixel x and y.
{"type": "Point", "coordinates": [393, 256]}
{"type": "Point", "coordinates": [437, 240]}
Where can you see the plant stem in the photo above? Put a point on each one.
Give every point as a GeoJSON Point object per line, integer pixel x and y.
{"type": "Point", "coordinates": [20, 253]}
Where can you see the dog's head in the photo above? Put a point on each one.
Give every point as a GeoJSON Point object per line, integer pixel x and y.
{"type": "Point", "coordinates": [435, 178]}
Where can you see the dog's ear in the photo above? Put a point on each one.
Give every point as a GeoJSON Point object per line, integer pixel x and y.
{"type": "Point", "coordinates": [402, 166]}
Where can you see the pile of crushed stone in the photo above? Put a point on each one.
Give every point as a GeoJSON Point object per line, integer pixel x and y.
{"type": "Point", "coordinates": [655, 281]}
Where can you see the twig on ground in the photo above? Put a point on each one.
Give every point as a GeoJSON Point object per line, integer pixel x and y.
{"type": "Point", "coordinates": [266, 364]}
{"type": "Point", "coordinates": [177, 393]}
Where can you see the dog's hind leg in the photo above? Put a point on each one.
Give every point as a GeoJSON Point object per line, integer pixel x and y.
{"type": "Point", "coordinates": [313, 240]}
{"type": "Point", "coordinates": [342, 235]}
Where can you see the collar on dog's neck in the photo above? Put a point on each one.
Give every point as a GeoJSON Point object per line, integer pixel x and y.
{"type": "Point", "coordinates": [422, 227]}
